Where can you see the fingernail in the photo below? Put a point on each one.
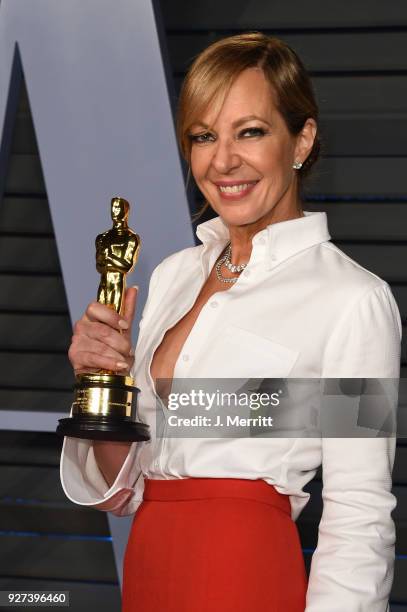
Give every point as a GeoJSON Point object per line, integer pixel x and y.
{"type": "Point", "coordinates": [131, 352]}
{"type": "Point", "coordinates": [135, 287]}
{"type": "Point", "coordinates": [121, 365]}
{"type": "Point", "coordinates": [123, 324]}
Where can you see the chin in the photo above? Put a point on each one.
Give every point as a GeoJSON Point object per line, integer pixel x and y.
{"type": "Point", "coordinates": [237, 217]}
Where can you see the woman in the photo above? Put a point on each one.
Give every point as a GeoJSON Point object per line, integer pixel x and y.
{"type": "Point", "coordinates": [265, 295]}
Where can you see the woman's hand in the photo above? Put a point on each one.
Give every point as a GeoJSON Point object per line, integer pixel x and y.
{"type": "Point", "coordinates": [102, 338]}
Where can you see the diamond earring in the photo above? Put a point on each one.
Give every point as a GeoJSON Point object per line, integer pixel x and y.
{"type": "Point", "coordinates": [297, 165]}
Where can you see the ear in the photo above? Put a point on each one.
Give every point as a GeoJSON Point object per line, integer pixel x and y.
{"type": "Point", "coordinates": [305, 140]}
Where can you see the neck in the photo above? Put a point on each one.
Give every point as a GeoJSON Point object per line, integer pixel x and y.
{"type": "Point", "coordinates": [120, 225]}
{"type": "Point", "coordinates": [241, 236]}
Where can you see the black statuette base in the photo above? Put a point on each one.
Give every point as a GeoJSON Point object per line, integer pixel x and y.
{"type": "Point", "coordinates": [106, 428]}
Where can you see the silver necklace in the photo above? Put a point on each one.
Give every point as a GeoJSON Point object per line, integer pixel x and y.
{"type": "Point", "coordinates": [226, 259]}
{"type": "Point", "coordinates": [228, 262]}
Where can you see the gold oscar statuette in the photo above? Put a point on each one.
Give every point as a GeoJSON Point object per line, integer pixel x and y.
{"type": "Point", "coordinates": [105, 403]}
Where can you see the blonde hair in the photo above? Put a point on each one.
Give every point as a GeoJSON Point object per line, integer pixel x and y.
{"type": "Point", "coordinates": [214, 70]}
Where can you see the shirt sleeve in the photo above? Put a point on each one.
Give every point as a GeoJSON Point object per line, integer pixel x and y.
{"type": "Point", "coordinates": [81, 478]}
{"type": "Point", "coordinates": [352, 567]}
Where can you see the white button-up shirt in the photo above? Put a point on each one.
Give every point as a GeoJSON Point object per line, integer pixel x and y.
{"type": "Point", "coordinates": [301, 309]}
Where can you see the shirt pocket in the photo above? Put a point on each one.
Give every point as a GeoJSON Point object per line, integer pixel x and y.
{"type": "Point", "coordinates": [240, 353]}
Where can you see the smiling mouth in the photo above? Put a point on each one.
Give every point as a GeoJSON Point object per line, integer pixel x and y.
{"type": "Point", "coordinates": [238, 189]}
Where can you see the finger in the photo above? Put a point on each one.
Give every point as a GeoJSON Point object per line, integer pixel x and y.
{"type": "Point", "coordinates": [130, 302]}
{"type": "Point", "coordinates": [82, 346]}
{"type": "Point", "coordinates": [90, 362]}
{"type": "Point", "coordinates": [103, 333]}
{"type": "Point", "coordinates": [97, 312]}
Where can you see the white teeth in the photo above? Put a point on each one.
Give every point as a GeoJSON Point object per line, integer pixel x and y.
{"type": "Point", "coordinates": [235, 188]}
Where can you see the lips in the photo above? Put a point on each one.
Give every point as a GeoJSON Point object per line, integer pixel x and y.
{"type": "Point", "coordinates": [235, 190]}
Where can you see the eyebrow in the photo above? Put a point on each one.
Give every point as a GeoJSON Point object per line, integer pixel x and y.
{"type": "Point", "coordinates": [237, 122]}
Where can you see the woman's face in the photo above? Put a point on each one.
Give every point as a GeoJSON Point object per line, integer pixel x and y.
{"type": "Point", "coordinates": [243, 164]}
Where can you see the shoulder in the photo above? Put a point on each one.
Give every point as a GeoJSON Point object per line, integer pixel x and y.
{"type": "Point", "coordinates": [103, 234]}
{"type": "Point", "coordinates": [365, 301]}
{"type": "Point", "coordinates": [365, 324]}
{"type": "Point", "coordinates": [348, 290]}
{"type": "Point", "coordinates": [133, 240]}
{"type": "Point", "coordinates": [182, 258]}
{"type": "Point", "coordinates": [173, 266]}
{"type": "Point", "coordinates": [343, 274]}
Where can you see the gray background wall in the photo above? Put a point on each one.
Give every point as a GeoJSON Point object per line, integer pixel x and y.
{"type": "Point", "coordinates": [357, 56]}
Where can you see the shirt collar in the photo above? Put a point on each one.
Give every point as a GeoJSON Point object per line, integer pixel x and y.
{"type": "Point", "coordinates": [282, 240]}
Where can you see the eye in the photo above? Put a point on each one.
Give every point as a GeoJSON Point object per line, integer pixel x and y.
{"type": "Point", "coordinates": [253, 131]}
{"type": "Point", "coordinates": [201, 138]}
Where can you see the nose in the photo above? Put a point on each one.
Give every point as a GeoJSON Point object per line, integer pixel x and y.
{"type": "Point", "coordinates": [225, 157]}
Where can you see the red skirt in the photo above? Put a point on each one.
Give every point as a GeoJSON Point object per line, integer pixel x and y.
{"type": "Point", "coordinates": [213, 545]}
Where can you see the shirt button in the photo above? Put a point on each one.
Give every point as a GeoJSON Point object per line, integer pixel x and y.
{"type": "Point", "coordinates": [185, 357]}
{"type": "Point", "coordinates": [246, 273]}
{"type": "Point", "coordinates": [262, 241]}
{"type": "Point", "coordinates": [156, 464]}
{"type": "Point", "coordinates": [214, 304]}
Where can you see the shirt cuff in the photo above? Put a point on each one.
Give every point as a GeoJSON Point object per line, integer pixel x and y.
{"type": "Point", "coordinates": [84, 484]}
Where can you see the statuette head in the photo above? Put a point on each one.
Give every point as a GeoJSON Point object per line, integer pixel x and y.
{"type": "Point", "coordinates": [120, 209]}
